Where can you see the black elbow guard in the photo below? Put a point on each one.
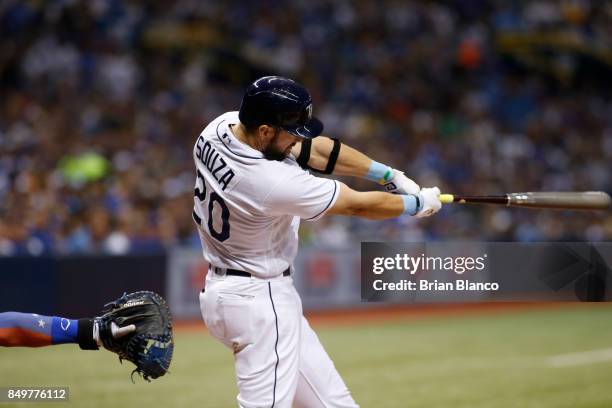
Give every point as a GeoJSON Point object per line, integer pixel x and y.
{"type": "Point", "coordinates": [304, 156]}
{"type": "Point", "coordinates": [333, 157]}
{"type": "Point", "coordinates": [331, 162]}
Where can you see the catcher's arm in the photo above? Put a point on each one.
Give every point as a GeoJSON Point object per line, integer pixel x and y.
{"type": "Point", "coordinates": [33, 330]}
{"type": "Point", "coordinates": [137, 327]}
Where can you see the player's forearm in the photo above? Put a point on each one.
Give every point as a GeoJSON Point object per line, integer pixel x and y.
{"type": "Point", "coordinates": [377, 205]}
{"type": "Point", "coordinates": [329, 156]}
{"type": "Point", "coordinates": [373, 205]}
{"type": "Point", "coordinates": [351, 162]}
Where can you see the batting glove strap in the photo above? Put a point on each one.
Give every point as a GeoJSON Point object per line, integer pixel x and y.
{"type": "Point", "coordinates": [398, 183]}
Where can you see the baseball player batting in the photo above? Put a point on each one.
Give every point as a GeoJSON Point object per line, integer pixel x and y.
{"type": "Point", "coordinates": [251, 191]}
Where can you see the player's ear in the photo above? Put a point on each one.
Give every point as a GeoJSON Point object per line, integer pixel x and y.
{"type": "Point", "coordinates": [266, 132]}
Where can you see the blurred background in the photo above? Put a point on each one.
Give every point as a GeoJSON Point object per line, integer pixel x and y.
{"type": "Point", "coordinates": [101, 102]}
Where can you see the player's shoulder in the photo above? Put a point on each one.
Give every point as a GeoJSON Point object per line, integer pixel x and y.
{"type": "Point", "coordinates": [217, 126]}
{"type": "Point", "coordinates": [286, 168]}
{"type": "Point", "coordinates": [270, 174]}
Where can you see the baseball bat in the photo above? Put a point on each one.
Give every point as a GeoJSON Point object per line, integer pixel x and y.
{"type": "Point", "coordinates": [563, 200]}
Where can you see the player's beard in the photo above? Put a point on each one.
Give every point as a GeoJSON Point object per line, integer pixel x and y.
{"type": "Point", "coordinates": [270, 152]}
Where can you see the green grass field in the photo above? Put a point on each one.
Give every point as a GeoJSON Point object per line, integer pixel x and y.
{"type": "Point", "coordinates": [500, 360]}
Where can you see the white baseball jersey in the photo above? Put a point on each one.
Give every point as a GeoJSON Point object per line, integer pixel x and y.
{"type": "Point", "coordinates": [248, 208]}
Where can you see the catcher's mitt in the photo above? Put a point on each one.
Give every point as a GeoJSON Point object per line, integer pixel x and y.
{"type": "Point", "coordinates": [149, 343]}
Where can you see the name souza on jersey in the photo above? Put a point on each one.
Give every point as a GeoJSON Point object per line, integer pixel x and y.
{"type": "Point", "coordinates": [212, 160]}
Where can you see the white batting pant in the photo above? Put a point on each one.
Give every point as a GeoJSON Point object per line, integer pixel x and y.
{"type": "Point", "coordinates": [279, 360]}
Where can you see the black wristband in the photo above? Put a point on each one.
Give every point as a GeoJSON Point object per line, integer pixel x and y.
{"type": "Point", "coordinates": [85, 335]}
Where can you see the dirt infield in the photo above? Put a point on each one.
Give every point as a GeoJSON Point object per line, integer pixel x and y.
{"type": "Point", "coordinates": [383, 314]}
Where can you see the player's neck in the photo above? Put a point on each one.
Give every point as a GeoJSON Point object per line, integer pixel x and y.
{"type": "Point", "coordinates": [240, 132]}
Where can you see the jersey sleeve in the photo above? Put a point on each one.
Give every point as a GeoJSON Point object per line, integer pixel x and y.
{"type": "Point", "coordinates": [301, 194]}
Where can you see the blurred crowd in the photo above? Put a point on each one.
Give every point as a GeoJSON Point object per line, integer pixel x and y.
{"type": "Point", "coordinates": [102, 100]}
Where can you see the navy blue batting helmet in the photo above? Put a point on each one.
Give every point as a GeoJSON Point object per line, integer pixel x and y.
{"type": "Point", "coordinates": [282, 102]}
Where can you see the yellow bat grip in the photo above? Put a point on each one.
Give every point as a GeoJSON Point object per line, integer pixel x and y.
{"type": "Point", "coordinates": [446, 198]}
